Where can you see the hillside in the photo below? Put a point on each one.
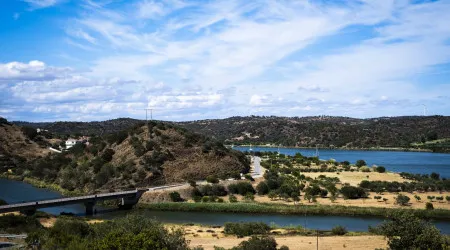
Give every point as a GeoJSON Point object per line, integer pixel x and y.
{"type": "Point", "coordinates": [83, 128]}
{"type": "Point", "coordinates": [17, 146]}
{"type": "Point", "coordinates": [339, 132]}
{"type": "Point", "coordinates": [143, 155]}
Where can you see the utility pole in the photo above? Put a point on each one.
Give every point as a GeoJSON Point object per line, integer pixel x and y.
{"type": "Point", "coordinates": [151, 115]}
{"type": "Point", "coordinates": [317, 239]}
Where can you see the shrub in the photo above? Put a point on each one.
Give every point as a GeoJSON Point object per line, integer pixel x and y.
{"type": "Point", "coordinates": [260, 243]}
{"type": "Point", "coordinates": [350, 192]}
{"type": "Point", "coordinates": [364, 169]}
{"type": "Point", "coordinates": [339, 230]}
{"type": "Point", "coordinates": [3, 202]}
{"type": "Point", "coordinates": [242, 188]}
{"type": "Point", "coordinates": [192, 183]}
{"type": "Point", "coordinates": [212, 179]}
{"type": "Point", "coordinates": [381, 169]}
{"type": "Point", "coordinates": [205, 199]}
{"type": "Point", "coordinates": [360, 163]}
{"type": "Point", "coordinates": [262, 188]}
{"type": "Point", "coordinates": [249, 197]}
{"type": "Point", "coordinates": [232, 198]}
{"type": "Point", "coordinates": [175, 197]}
{"type": "Point", "coordinates": [402, 200]}
{"type": "Point", "coordinates": [249, 177]}
{"type": "Point", "coordinates": [429, 206]}
{"type": "Point", "coordinates": [246, 229]}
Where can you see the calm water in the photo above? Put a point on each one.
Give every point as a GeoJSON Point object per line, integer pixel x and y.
{"type": "Point", "coordinates": [412, 162]}
{"type": "Point", "coordinates": [14, 191]}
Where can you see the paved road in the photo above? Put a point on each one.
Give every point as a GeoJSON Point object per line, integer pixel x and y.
{"type": "Point", "coordinates": [257, 169]}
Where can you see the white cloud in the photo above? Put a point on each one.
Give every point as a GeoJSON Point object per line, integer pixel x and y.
{"type": "Point", "coordinates": [358, 58]}
{"type": "Point", "coordinates": [38, 4]}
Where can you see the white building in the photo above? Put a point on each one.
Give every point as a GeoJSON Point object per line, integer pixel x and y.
{"type": "Point", "coordinates": [71, 142]}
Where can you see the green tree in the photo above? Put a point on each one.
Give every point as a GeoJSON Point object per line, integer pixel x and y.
{"type": "Point", "coordinates": [406, 231]}
{"type": "Point", "coordinates": [402, 200]}
{"type": "Point", "coordinates": [257, 243]}
{"type": "Point", "coordinates": [339, 230]}
{"type": "Point", "coordinates": [212, 179]}
{"type": "Point", "coordinates": [232, 198]}
{"type": "Point", "coordinates": [429, 206]}
{"type": "Point", "coordinates": [381, 169]}
{"type": "Point", "coordinates": [262, 188]}
{"type": "Point", "coordinates": [360, 163]}
{"type": "Point", "coordinates": [417, 198]}
{"type": "Point", "coordinates": [175, 197]}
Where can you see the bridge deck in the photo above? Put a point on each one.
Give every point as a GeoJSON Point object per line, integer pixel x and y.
{"type": "Point", "coordinates": [65, 201]}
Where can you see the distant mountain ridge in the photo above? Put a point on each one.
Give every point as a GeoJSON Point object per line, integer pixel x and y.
{"type": "Point", "coordinates": [323, 131]}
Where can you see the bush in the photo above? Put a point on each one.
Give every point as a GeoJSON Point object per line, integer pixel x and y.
{"type": "Point", "coordinates": [429, 206]}
{"type": "Point", "coordinates": [246, 229]}
{"type": "Point", "coordinates": [360, 163]}
{"type": "Point", "coordinates": [364, 169]}
{"type": "Point", "coordinates": [260, 243]}
{"type": "Point", "coordinates": [3, 202]}
{"type": "Point", "coordinates": [339, 230]}
{"type": "Point", "coordinates": [232, 198]}
{"type": "Point", "coordinates": [205, 199]}
{"type": "Point", "coordinates": [175, 197]}
{"type": "Point", "coordinates": [381, 169]}
{"type": "Point", "coordinates": [350, 192]}
{"type": "Point", "coordinates": [242, 188]}
{"type": "Point", "coordinates": [249, 177]}
{"type": "Point", "coordinates": [402, 200]}
{"type": "Point", "coordinates": [262, 188]}
{"type": "Point", "coordinates": [212, 179]}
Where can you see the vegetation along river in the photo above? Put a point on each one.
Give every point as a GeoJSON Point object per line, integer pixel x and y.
{"type": "Point", "coordinates": [15, 191]}
{"type": "Point", "coordinates": [395, 161]}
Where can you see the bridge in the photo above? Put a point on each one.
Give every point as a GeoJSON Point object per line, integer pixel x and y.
{"type": "Point", "coordinates": [127, 199]}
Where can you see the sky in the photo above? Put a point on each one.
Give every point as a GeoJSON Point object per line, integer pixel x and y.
{"type": "Point", "coordinates": [87, 60]}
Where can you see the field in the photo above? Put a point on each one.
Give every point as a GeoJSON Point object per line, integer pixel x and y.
{"type": "Point", "coordinates": [208, 237]}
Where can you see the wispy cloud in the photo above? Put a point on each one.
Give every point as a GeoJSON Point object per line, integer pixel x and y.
{"type": "Point", "coordinates": [38, 4]}
{"type": "Point", "coordinates": [353, 58]}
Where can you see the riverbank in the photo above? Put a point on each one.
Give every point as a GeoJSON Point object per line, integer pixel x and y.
{"type": "Point", "coordinates": [266, 208]}
{"type": "Point", "coordinates": [42, 184]}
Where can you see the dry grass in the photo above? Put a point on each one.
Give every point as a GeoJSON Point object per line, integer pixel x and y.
{"type": "Point", "coordinates": [354, 178]}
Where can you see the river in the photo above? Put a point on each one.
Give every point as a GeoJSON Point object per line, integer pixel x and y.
{"type": "Point", "coordinates": [15, 191]}
{"type": "Point", "coordinates": [395, 161]}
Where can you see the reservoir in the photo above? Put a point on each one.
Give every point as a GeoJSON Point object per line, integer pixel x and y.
{"type": "Point", "coordinates": [394, 161]}
{"type": "Point", "coordinates": [15, 191]}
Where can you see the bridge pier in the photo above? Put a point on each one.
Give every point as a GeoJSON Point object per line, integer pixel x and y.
{"type": "Point", "coordinates": [129, 202]}
{"type": "Point", "coordinates": [89, 207]}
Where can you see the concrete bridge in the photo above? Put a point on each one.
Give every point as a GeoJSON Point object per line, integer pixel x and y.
{"type": "Point", "coordinates": [127, 199]}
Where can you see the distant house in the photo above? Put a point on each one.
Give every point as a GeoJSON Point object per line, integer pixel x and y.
{"type": "Point", "coordinates": [71, 142]}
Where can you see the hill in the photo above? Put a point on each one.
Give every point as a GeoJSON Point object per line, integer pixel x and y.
{"type": "Point", "coordinates": [83, 128]}
{"type": "Point", "coordinates": [329, 132]}
{"type": "Point", "coordinates": [333, 132]}
{"type": "Point", "coordinates": [143, 155]}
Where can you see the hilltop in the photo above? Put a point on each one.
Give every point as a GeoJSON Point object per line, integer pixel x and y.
{"type": "Point", "coordinates": [333, 132]}
{"type": "Point", "coordinates": [143, 155]}
{"type": "Point", "coordinates": [422, 132]}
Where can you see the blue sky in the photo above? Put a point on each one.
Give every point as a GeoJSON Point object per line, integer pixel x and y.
{"type": "Point", "coordinates": [90, 60]}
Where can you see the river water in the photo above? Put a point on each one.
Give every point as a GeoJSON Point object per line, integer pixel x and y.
{"type": "Point", "coordinates": [395, 161]}
{"type": "Point", "coordinates": [15, 191]}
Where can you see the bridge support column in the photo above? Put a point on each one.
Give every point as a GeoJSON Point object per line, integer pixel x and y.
{"type": "Point", "coordinates": [129, 202]}
{"type": "Point", "coordinates": [89, 207]}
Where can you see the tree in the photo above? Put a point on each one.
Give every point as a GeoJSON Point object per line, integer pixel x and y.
{"type": "Point", "coordinates": [406, 231]}
{"type": "Point", "coordinates": [339, 230]}
{"type": "Point", "coordinates": [402, 200]}
{"type": "Point", "coordinates": [434, 176]}
{"type": "Point", "coordinates": [377, 198]}
{"type": "Point", "coordinates": [385, 200]}
{"type": "Point", "coordinates": [232, 198]}
{"type": "Point", "coordinates": [212, 179]}
{"type": "Point", "coordinates": [429, 206]}
{"type": "Point", "coordinates": [192, 183]}
{"type": "Point", "coordinates": [272, 195]}
{"type": "Point", "coordinates": [447, 198]}
{"type": "Point", "coordinates": [262, 188]}
{"type": "Point", "coordinates": [249, 196]}
{"type": "Point", "coordinates": [429, 197]}
{"type": "Point", "coordinates": [360, 163]}
{"type": "Point", "coordinates": [257, 242]}
{"type": "Point", "coordinates": [175, 197]}
{"type": "Point", "coordinates": [381, 169]}
{"type": "Point", "coordinates": [350, 192]}
{"type": "Point", "coordinates": [417, 198]}
{"type": "Point", "coordinates": [440, 198]}
{"type": "Point", "coordinates": [3, 202]}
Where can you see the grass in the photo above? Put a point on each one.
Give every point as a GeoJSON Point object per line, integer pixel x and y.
{"type": "Point", "coordinates": [266, 208]}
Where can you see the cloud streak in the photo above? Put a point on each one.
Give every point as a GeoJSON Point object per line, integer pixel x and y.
{"type": "Point", "coordinates": [222, 58]}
